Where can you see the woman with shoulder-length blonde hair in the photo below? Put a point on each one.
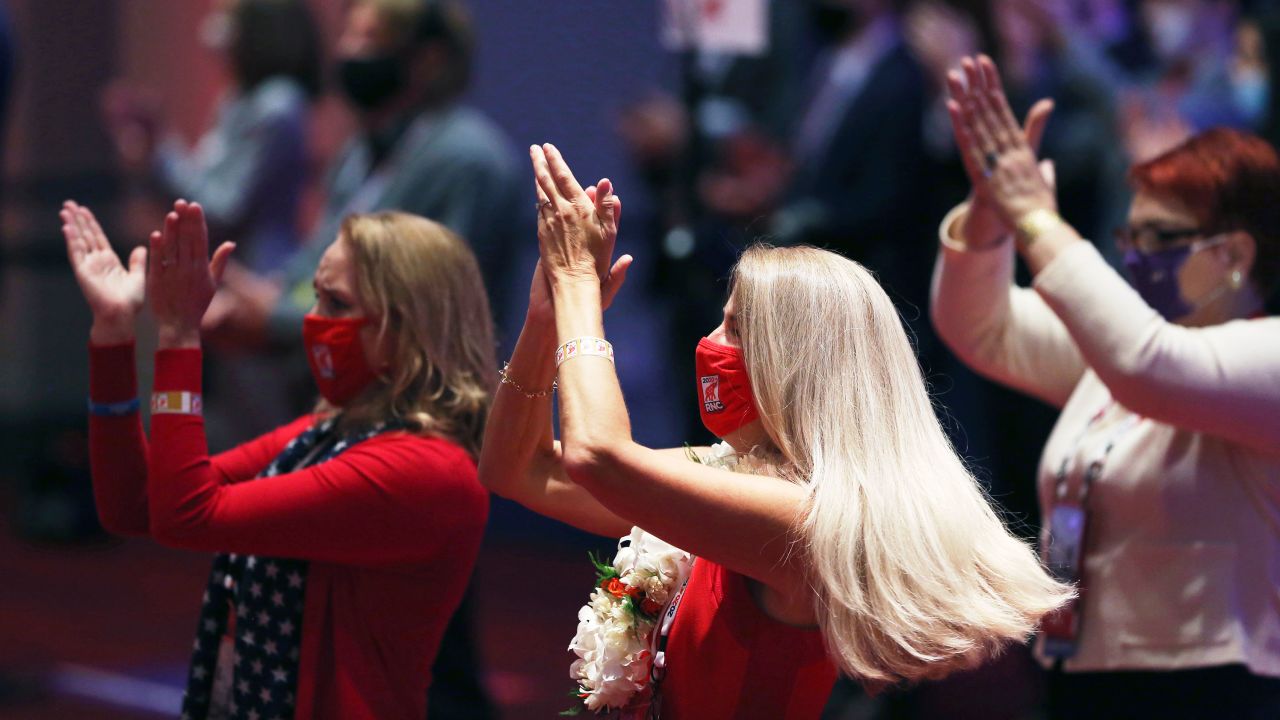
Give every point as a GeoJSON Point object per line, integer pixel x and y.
{"type": "Point", "coordinates": [834, 526]}
{"type": "Point", "coordinates": [346, 538]}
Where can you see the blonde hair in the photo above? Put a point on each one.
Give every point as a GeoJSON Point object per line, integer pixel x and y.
{"type": "Point", "coordinates": [423, 284]}
{"type": "Point", "coordinates": [915, 575]}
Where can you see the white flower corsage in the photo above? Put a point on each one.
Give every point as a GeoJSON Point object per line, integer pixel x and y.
{"type": "Point", "coordinates": [614, 642]}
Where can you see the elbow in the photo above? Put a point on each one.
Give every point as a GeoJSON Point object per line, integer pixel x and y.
{"type": "Point", "coordinates": [123, 526]}
{"type": "Point", "coordinates": [165, 531]}
{"type": "Point", "coordinates": [589, 463]}
{"type": "Point", "coordinates": [1132, 379]}
{"type": "Point", "coordinates": [173, 531]}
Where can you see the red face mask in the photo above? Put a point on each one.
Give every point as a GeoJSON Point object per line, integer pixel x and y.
{"type": "Point", "coordinates": [336, 356]}
{"type": "Point", "coordinates": [724, 391]}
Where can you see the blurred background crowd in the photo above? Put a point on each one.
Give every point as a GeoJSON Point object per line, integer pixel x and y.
{"type": "Point", "coordinates": [720, 122]}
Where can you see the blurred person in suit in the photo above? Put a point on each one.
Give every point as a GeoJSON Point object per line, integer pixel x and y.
{"type": "Point", "coordinates": [402, 66]}
{"type": "Point", "coordinates": [731, 107]}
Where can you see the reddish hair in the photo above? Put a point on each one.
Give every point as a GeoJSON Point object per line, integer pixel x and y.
{"type": "Point", "coordinates": [1230, 181]}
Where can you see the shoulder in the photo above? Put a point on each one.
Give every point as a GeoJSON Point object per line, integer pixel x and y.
{"type": "Point", "coordinates": [432, 454]}
{"type": "Point", "coordinates": [468, 138]}
{"type": "Point", "coordinates": [296, 427]}
{"type": "Point", "coordinates": [279, 95]}
{"type": "Point", "coordinates": [415, 465]}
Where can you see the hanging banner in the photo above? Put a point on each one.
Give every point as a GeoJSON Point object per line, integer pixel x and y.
{"type": "Point", "coordinates": [738, 27]}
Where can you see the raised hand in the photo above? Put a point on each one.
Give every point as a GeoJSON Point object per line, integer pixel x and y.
{"type": "Point", "coordinates": [115, 294]}
{"type": "Point", "coordinates": [180, 275]}
{"type": "Point", "coordinates": [576, 231]}
{"type": "Point", "coordinates": [999, 156]}
{"type": "Point", "coordinates": [540, 307]}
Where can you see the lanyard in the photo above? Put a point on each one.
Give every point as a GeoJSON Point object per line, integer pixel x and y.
{"type": "Point", "coordinates": [658, 646]}
{"type": "Point", "coordinates": [1094, 469]}
{"type": "Point", "coordinates": [664, 630]}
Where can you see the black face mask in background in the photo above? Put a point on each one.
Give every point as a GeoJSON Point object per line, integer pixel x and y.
{"type": "Point", "coordinates": [833, 22]}
{"type": "Point", "coordinates": [369, 82]}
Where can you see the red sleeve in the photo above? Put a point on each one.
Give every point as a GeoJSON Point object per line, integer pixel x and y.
{"type": "Point", "coordinates": [248, 460]}
{"type": "Point", "coordinates": [117, 444]}
{"type": "Point", "coordinates": [391, 499]}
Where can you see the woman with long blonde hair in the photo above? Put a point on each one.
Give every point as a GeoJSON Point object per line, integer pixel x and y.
{"type": "Point", "coordinates": [346, 538]}
{"type": "Point", "coordinates": [834, 526]}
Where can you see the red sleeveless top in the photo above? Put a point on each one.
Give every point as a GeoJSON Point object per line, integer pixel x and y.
{"type": "Point", "coordinates": [727, 659]}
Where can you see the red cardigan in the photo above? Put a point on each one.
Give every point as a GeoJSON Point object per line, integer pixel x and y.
{"type": "Point", "coordinates": [392, 528]}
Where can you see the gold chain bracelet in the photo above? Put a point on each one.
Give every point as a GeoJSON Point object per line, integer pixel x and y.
{"type": "Point", "coordinates": [506, 380]}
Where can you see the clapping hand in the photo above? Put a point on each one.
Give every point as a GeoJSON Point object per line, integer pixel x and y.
{"type": "Point", "coordinates": [576, 232]}
{"type": "Point", "coordinates": [999, 156]}
{"type": "Point", "coordinates": [180, 276]}
{"type": "Point", "coordinates": [115, 294]}
{"type": "Point", "coordinates": [540, 306]}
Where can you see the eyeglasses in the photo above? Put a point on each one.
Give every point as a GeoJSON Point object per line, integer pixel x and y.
{"type": "Point", "coordinates": [1148, 239]}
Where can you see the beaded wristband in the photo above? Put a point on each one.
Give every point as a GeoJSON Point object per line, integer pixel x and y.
{"type": "Point", "coordinates": [506, 380]}
{"type": "Point", "coordinates": [177, 403]}
{"type": "Point", "coordinates": [584, 346]}
{"type": "Point", "coordinates": [115, 409]}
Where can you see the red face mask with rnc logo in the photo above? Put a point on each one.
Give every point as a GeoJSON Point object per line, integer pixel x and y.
{"type": "Point", "coordinates": [724, 391]}
{"type": "Point", "coordinates": [336, 356]}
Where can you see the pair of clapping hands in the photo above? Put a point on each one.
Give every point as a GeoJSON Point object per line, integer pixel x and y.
{"type": "Point", "coordinates": [173, 271]}
{"type": "Point", "coordinates": [999, 155]}
{"type": "Point", "coordinates": [577, 230]}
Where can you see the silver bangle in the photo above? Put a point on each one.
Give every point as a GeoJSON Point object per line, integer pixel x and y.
{"type": "Point", "coordinates": [506, 380]}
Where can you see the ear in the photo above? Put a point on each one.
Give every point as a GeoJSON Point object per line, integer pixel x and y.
{"type": "Point", "coordinates": [1242, 251]}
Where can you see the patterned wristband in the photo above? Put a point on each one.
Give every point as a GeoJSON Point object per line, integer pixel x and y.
{"type": "Point", "coordinates": [177, 403]}
{"type": "Point", "coordinates": [584, 346]}
{"type": "Point", "coordinates": [115, 409]}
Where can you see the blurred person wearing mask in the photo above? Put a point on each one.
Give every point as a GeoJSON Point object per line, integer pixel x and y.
{"type": "Point", "coordinates": [402, 66]}
{"type": "Point", "coordinates": [249, 169]}
{"type": "Point", "coordinates": [1158, 484]}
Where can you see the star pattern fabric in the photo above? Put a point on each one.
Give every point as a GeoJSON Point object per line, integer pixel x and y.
{"type": "Point", "coordinates": [260, 601]}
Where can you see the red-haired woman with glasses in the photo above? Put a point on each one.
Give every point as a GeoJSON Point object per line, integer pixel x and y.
{"type": "Point", "coordinates": [1160, 485]}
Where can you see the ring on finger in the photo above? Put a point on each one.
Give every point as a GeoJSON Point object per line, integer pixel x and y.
{"type": "Point", "coordinates": [989, 163]}
{"type": "Point", "coordinates": [542, 204]}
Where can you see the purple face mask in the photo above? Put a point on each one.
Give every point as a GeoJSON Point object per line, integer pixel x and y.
{"type": "Point", "coordinates": [1155, 277]}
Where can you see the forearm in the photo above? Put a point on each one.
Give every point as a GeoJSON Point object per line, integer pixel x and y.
{"type": "Point", "coordinates": [1003, 332]}
{"type": "Point", "coordinates": [593, 414]}
{"type": "Point", "coordinates": [1221, 380]}
{"type": "Point", "coordinates": [519, 426]}
{"type": "Point", "coordinates": [182, 484]}
{"type": "Point", "coordinates": [117, 443]}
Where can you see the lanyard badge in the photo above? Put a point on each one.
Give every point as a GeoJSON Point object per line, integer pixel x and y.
{"type": "Point", "coordinates": [1064, 548]}
{"type": "Point", "coordinates": [1064, 556]}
